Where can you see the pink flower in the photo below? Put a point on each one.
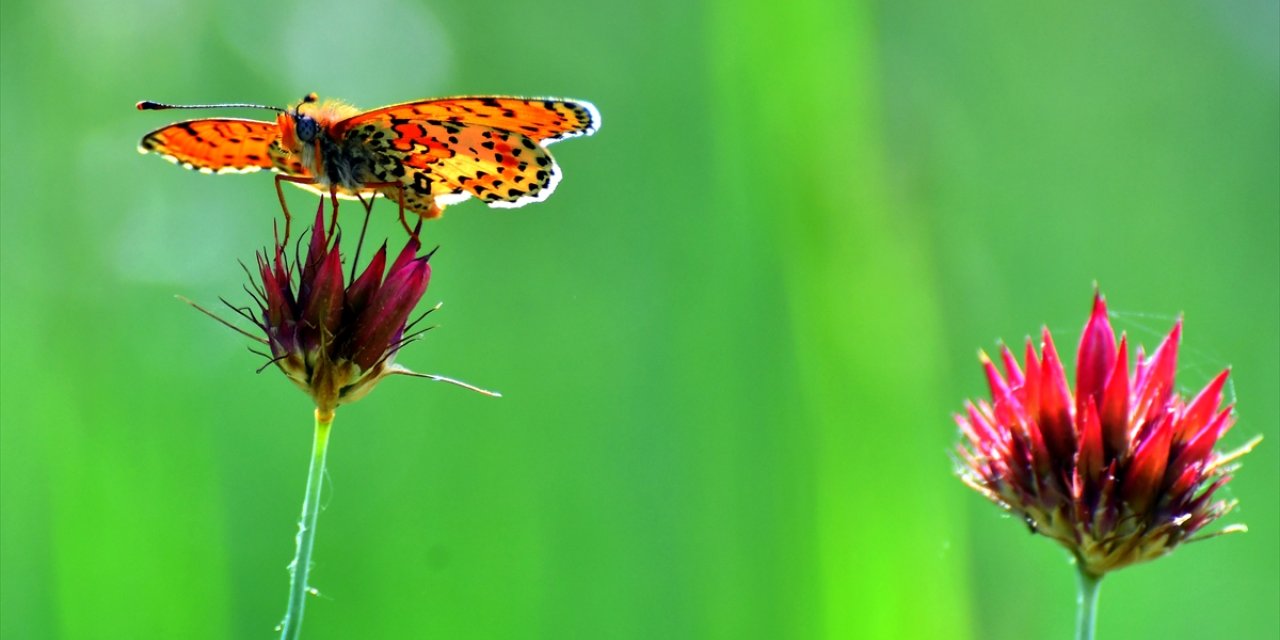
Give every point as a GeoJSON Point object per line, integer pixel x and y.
{"type": "Point", "coordinates": [1120, 472]}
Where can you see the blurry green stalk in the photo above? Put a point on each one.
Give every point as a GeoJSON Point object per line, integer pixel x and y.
{"type": "Point", "coordinates": [1087, 601]}
{"type": "Point", "coordinates": [291, 627]}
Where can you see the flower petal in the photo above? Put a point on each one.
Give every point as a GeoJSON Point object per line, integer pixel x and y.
{"type": "Point", "coordinates": [1090, 459]}
{"type": "Point", "coordinates": [1011, 369]}
{"type": "Point", "coordinates": [1055, 417]}
{"type": "Point", "coordinates": [316, 254]}
{"type": "Point", "coordinates": [1096, 355]}
{"type": "Point", "coordinates": [1153, 389]}
{"type": "Point", "coordinates": [323, 311]}
{"type": "Point", "coordinates": [1114, 414]}
{"type": "Point", "coordinates": [1201, 408]}
{"type": "Point", "coordinates": [387, 312]}
{"type": "Point", "coordinates": [362, 290]}
{"type": "Point", "coordinates": [1200, 447]}
{"type": "Point", "coordinates": [1146, 471]}
{"type": "Point", "coordinates": [277, 313]}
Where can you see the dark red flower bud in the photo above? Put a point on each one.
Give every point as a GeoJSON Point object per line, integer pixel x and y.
{"type": "Point", "coordinates": [336, 341]}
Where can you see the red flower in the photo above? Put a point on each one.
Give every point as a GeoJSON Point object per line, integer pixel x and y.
{"type": "Point", "coordinates": [337, 341]}
{"type": "Point", "coordinates": [1121, 472]}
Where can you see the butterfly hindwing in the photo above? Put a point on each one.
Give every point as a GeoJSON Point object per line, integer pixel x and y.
{"type": "Point", "coordinates": [498, 167]}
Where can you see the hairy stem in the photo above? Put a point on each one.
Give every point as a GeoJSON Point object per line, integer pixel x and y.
{"type": "Point", "coordinates": [291, 627]}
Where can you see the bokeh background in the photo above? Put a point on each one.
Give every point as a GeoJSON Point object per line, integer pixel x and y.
{"type": "Point", "coordinates": [730, 344]}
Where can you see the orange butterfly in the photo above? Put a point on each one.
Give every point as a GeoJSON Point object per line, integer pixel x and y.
{"type": "Point", "coordinates": [426, 154]}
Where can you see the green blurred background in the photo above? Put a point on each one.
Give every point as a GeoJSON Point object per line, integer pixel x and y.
{"type": "Point", "coordinates": [730, 344]}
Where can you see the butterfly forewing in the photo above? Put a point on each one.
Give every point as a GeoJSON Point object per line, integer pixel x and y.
{"type": "Point", "coordinates": [219, 145]}
{"type": "Point", "coordinates": [545, 120]}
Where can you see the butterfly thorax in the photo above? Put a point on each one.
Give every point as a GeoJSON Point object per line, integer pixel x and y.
{"type": "Point", "coordinates": [309, 134]}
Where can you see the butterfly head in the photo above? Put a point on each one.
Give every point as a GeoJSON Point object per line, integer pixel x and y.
{"type": "Point", "coordinates": [307, 120]}
{"type": "Point", "coordinates": [305, 126]}
{"type": "Point", "coordinates": [298, 126]}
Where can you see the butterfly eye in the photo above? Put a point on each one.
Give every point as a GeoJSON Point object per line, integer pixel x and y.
{"type": "Point", "coordinates": [306, 128]}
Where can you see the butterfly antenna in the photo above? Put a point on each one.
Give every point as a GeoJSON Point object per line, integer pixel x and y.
{"type": "Point", "coordinates": [147, 105]}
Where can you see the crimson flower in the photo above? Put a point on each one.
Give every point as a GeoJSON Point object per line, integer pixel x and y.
{"type": "Point", "coordinates": [334, 340]}
{"type": "Point", "coordinates": [1121, 471]}
{"type": "Point", "coordinates": [337, 341]}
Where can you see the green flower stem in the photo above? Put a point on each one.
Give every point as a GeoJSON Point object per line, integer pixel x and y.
{"type": "Point", "coordinates": [1087, 601]}
{"type": "Point", "coordinates": [291, 627]}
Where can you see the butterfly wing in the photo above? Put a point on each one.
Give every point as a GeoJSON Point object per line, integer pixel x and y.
{"type": "Point", "coordinates": [222, 145]}
{"type": "Point", "coordinates": [446, 150]}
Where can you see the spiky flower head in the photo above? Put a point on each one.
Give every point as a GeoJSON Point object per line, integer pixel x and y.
{"type": "Point", "coordinates": [335, 340]}
{"type": "Point", "coordinates": [1118, 472]}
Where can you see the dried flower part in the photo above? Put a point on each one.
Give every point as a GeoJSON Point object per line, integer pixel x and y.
{"type": "Point", "coordinates": [337, 341]}
{"type": "Point", "coordinates": [1120, 472]}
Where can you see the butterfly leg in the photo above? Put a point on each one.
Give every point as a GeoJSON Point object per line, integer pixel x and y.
{"type": "Point", "coordinates": [399, 189]}
{"type": "Point", "coordinates": [280, 178]}
{"type": "Point", "coordinates": [333, 216]}
{"type": "Point", "coordinates": [368, 210]}
{"type": "Point", "coordinates": [404, 223]}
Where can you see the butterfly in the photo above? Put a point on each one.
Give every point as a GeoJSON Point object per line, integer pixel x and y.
{"type": "Point", "coordinates": [425, 154]}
